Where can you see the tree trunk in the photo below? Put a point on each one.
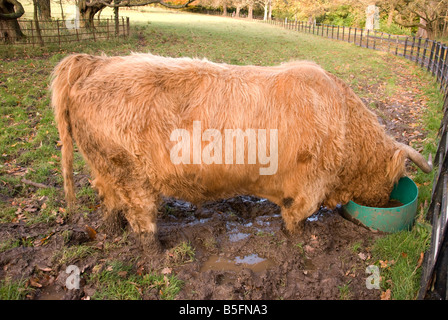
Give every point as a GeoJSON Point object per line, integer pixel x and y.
{"type": "Point", "coordinates": [422, 30]}
{"type": "Point", "coordinates": [87, 13]}
{"type": "Point", "coordinates": [10, 11]}
{"type": "Point", "coordinates": [270, 10]}
{"type": "Point", "coordinates": [250, 11]}
{"type": "Point", "coordinates": [36, 23]}
{"type": "Point", "coordinates": [116, 19]}
{"type": "Point", "coordinates": [390, 17]}
{"type": "Point", "coordinates": [265, 7]}
{"type": "Point", "coordinates": [238, 9]}
{"type": "Point", "coordinates": [62, 10]}
{"type": "Point", "coordinates": [224, 8]}
{"type": "Point", "coordinates": [44, 9]}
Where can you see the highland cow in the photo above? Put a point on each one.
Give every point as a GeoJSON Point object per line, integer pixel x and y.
{"type": "Point", "coordinates": [122, 111]}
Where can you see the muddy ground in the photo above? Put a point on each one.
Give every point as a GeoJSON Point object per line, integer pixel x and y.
{"type": "Point", "coordinates": [241, 251]}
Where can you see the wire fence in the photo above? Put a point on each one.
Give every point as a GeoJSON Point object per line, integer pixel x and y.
{"type": "Point", "coordinates": [62, 31]}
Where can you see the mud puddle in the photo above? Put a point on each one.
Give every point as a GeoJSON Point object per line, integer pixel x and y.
{"type": "Point", "coordinates": [252, 261]}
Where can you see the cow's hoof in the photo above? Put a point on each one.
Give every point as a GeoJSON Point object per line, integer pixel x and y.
{"type": "Point", "coordinates": [150, 243]}
{"type": "Point", "coordinates": [114, 223]}
{"type": "Point", "coordinates": [292, 231]}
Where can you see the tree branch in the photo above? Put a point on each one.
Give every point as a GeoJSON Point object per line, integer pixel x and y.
{"type": "Point", "coordinates": [15, 15]}
{"type": "Point", "coordinates": [127, 3]}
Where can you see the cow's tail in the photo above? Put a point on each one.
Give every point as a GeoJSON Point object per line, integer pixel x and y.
{"type": "Point", "coordinates": [70, 70]}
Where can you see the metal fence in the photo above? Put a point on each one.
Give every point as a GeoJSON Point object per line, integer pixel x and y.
{"type": "Point", "coordinates": [59, 31]}
{"type": "Point", "coordinates": [432, 56]}
{"type": "Point", "coordinates": [429, 54]}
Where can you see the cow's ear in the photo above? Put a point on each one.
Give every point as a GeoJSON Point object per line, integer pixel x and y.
{"type": "Point", "coordinates": [396, 165]}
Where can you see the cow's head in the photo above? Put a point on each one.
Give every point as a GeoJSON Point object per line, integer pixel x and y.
{"type": "Point", "coordinates": [376, 188]}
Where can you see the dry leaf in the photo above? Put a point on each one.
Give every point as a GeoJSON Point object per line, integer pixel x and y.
{"type": "Point", "coordinates": [59, 220]}
{"type": "Point", "coordinates": [122, 274]}
{"type": "Point", "coordinates": [362, 256]}
{"type": "Point", "coordinates": [91, 232]}
{"type": "Point", "coordinates": [35, 283]}
{"type": "Point", "coordinates": [166, 270]}
{"type": "Point", "coordinates": [420, 260]}
{"type": "Point", "coordinates": [385, 295]}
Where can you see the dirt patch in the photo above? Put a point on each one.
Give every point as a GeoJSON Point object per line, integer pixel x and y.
{"type": "Point", "coordinates": [241, 251]}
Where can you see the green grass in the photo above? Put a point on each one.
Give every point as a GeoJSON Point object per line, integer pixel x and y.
{"type": "Point", "coordinates": [29, 140]}
{"type": "Point", "coordinates": [70, 254]}
{"type": "Point", "coordinates": [14, 290]}
{"type": "Point", "coordinates": [400, 254]}
{"type": "Point", "coordinates": [118, 281]}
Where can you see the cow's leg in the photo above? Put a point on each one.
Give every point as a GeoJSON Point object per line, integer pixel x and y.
{"type": "Point", "coordinates": [113, 217]}
{"type": "Point", "coordinates": [142, 216]}
{"type": "Point", "coordinates": [296, 210]}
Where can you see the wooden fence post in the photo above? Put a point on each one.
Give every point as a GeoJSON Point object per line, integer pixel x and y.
{"type": "Point", "coordinates": [405, 47]}
{"type": "Point", "coordinates": [441, 60]}
{"type": "Point", "coordinates": [107, 28]}
{"type": "Point", "coordinates": [388, 43]}
{"type": "Point", "coordinates": [425, 47]}
{"type": "Point", "coordinates": [127, 27]}
{"type": "Point", "coordinates": [59, 33]}
{"type": "Point", "coordinates": [437, 59]}
{"type": "Point", "coordinates": [360, 38]}
{"type": "Point", "coordinates": [412, 47]}
{"type": "Point", "coordinates": [374, 40]}
{"type": "Point", "coordinates": [443, 79]}
{"type": "Point", "coordinates": [418, 49]}
{"type": "Point", "coordinates": [32, 32]}
{"type": "Point", "coordinates": [367, 38]}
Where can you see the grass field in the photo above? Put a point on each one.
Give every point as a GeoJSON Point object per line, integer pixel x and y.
{"type": "Point", "coordinates": [29, 145]}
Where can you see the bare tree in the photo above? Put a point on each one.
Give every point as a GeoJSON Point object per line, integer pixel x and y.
{"type": "Point", "coordinates": [44, 9]}
{"type": "Point", "coordinates": [424, 14]}
{"type": "Point", "coordinates": [267, 4]}
{"type": "Point", "coordinates": [10, 11]}
{"type": "Point", "coordinates": [89, 8]}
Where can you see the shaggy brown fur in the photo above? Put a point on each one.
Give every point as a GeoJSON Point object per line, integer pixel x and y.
{"type": "Point", "coordinates": [122, 110]}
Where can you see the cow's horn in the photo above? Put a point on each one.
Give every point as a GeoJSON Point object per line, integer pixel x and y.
{"type": "Point", "coordinates": [418, 159]}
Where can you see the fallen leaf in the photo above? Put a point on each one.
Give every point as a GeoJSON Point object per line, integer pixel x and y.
{"type": "Point", "coordinates": [59, 220]}
{"type": "Point", "coordinates": [385, 295]}
{"type": "Point", "coordinates": [362, 256]}
{"type": "Point", "coordinates": [122, 274]}
{"type": "Point", "coordinates": [404, 254]}
{"type": "Point", "coordinates": [383, 264]}
{"type": "Point", "coordinates": [35, 283]}
{"type": "Point", "coordinates": [166, 270]}
{"type": "Point", "coordinates": [45, 269]}
{"type": "Point", "coordinates": [420, 260]}
{"type": "Point", "coordinates": [91, 232]}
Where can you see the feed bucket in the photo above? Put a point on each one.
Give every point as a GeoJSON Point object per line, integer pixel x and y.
{"type": "Point", "coordinates": [388, 219]}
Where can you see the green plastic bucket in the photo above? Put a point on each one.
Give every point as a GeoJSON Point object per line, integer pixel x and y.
{"type": "Point", "coordinates": [388, 219]}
